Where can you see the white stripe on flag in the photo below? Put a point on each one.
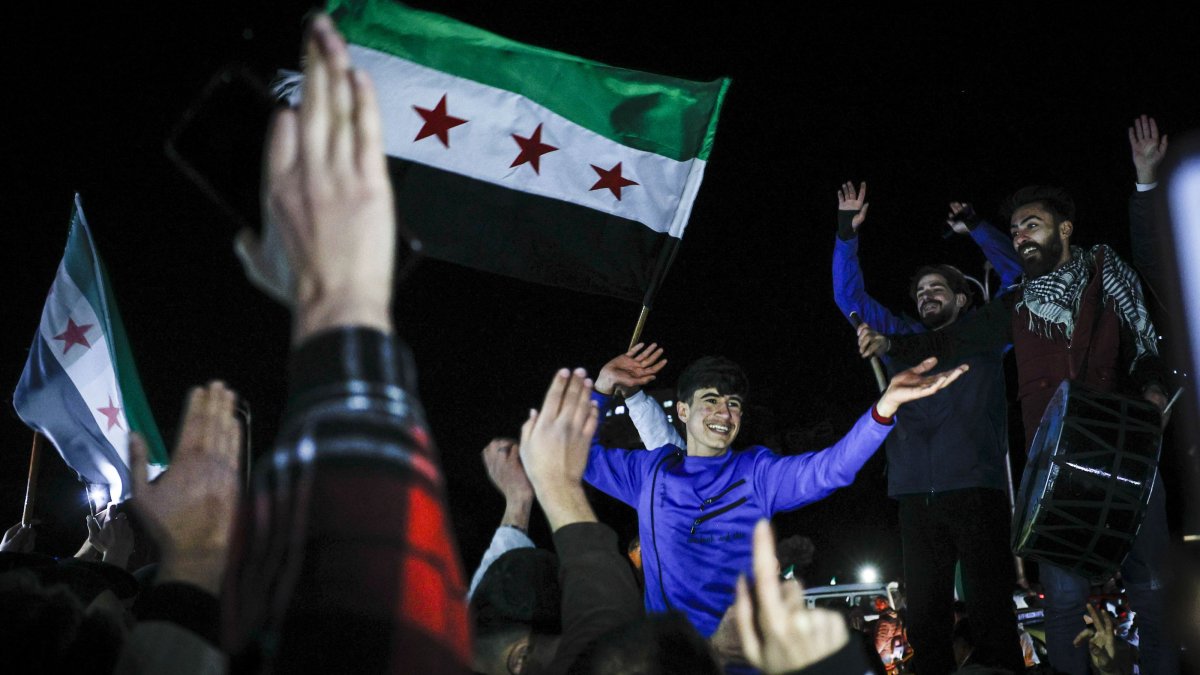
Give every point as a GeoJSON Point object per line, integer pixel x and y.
{"type": "Point", "coordinates": [484, 148]}
{"type": "Point", "coordinates": [90, 368]}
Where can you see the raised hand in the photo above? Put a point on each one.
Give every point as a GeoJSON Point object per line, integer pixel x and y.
{"type": "Point", "coordinates": [1147, 148]}
{"type": "Point", "coordinates": [111, 535]}
{"type": "Point", "coordinates": [913, 384]}
{"type": "Point", "coordinates": [629, 372]}
{"type": "Point", "coordinates": [961, 213]}
{"type": "Point", "coordinates": [502, 461]}
{"type": "Point", "coordinates": [328, 194]}
{"type": "Point", "coordinates": [19, 538]}
{"type": "Point", "coordinates": [725, 640]}
{"type": "Point", "coordinates": [1101, 639]}
{"type": "Point", "coordinates": [851, 200]}
{"type": "Point", "coordinates": [189, 508]}
{"type": "Point", "coordinates": [778, 632]}
{"type": "Point", "coordinates": [554, 447]}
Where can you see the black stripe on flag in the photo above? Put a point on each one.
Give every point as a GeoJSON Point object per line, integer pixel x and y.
{"type": "Point", "coordinates": [492, 228]}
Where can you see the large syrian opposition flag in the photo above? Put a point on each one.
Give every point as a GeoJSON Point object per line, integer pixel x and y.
{"type": "Point", "coordinates": [528, 162]}
{"type": "Point", "coordinates": [80, 388]}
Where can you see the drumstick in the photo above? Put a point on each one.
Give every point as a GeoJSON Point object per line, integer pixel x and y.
{"type": "Point", "coordinates": [876, 365]}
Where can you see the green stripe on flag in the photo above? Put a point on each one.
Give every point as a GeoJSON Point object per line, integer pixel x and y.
{"type": "Point", "coordinates": [665, 115]}
{"type": "Point", "coordinates": [87, 271]}
{"type": "Point", "coordinates": [137, 408]}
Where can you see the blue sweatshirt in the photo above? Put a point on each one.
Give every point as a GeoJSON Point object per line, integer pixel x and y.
{"type": "Point", "coordinates": [696, 514]}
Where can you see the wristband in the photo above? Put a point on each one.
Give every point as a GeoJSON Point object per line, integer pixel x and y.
{"type": "Point", "coordinates": [845, 230]}
{"type": "Point", "coordinates": [886, 421]}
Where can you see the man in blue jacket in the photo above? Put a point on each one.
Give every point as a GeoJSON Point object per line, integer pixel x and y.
{"type": "Point", "coordinates": [697, 505]}
{"type": "Point", "coordinates": [946, 460]}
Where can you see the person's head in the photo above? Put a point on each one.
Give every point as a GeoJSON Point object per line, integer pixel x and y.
{"type": "Point", "coordinates": [660, 644]}
{"type": "Point", "coordinates": [795, 553]}
{"type": "Point", "coordinates": [941, 294]}
{"type": "Point", "coordinates": [503, 651]}
{"type": "Point", "coordinates": [881, 604]}
{"type": "Point", "coordinates": [516, 610]}
{"type": "Point", "coordinates": [1041, 220]}
{"type": "Point", "coordinates": [710, 394]}
{"type": "Point", "coordinates": [49, 630]}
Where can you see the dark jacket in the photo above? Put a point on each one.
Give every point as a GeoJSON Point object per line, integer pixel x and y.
{"type": "Point", "coordinates": [1042, 364]}
{"type": "Point", "coordinates": [957, 438]}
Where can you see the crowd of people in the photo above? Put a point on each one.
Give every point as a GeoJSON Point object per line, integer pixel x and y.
{"type": "Point", "coordinates": [339, 555]}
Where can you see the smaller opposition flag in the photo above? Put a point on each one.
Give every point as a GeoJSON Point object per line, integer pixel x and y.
{"type": "Point", "coordinates": [80, 388]}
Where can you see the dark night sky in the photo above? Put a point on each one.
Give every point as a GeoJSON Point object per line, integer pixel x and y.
{"type": "Point", "coordinates": [927, 106]}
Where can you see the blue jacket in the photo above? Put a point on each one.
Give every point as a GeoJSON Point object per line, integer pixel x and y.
{"type": "Point", "coordinates": [957, 438]}
{"type": "Point", "coordinates": [696, 514]}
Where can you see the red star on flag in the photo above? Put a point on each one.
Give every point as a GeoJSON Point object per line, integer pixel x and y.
{"type": "Point", "coordinates": [532, 149]}
{"type": "Point", "coordinates": [113, 413]}
{"type": "Point", "coordinates": [437, 122]}
{"type": "Point", "coordinates": [612, 179]}
{"type": "Point", "coordinates": [74, 335]}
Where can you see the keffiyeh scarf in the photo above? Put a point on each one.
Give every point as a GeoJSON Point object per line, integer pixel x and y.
{"type": "Point", "coordinates": [1053, 298]}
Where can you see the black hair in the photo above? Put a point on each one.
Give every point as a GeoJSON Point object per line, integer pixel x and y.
{"type": "Point", "coordinates": [717, 372]}
{"type": "Point", "coordinates": [955, 279]}
{"type": "Point", "coordinates": [660, 644]}
{"type": "Point", "coordinates": [489, 646]}
{"type": "Point", "coordinates": [1054, 199]}
{"type": "Point", "coordinates": [49, 631]}
{"type": "Point", "coordinates": [795, 550]}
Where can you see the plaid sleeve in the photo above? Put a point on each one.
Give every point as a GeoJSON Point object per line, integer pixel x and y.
{"type": "Point", "coordinates": [343, 558]}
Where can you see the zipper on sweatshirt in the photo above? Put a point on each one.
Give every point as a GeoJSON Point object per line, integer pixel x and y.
{"type": "Point", "coordinates": [720, 494]}
{"type": "Point", "coordinates": [716, 513]}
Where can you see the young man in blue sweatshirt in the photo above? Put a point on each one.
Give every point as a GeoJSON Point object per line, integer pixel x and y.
{"type": "Point", "coordinates": [697, 503]}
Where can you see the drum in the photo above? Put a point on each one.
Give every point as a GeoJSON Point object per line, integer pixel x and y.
{"type": "Point", "coordinates": [1087, 481]}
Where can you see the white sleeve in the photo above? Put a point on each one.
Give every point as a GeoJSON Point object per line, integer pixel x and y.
{"type": "Point", "coordinates": [506, 539]}
{"type": "Point", "coordinates": [651, 422]}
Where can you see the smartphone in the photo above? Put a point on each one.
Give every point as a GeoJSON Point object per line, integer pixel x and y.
{"type": "Point", "coordinates": [218, 143]}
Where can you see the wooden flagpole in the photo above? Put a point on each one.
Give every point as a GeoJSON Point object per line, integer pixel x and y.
{"type": "Point", "coordinates": [665, 257]}
{"type": "Point", "coordinates": [641, 323]}
{"type": "Point", "coordinates": [35, 460]}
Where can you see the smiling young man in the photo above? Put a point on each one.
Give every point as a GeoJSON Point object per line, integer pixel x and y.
{"type": "Point", "coordinates": [697, 503]}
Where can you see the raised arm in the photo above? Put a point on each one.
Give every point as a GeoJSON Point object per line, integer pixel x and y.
{"type": "Point", "coordinates": [502, 461]}
{"type": "Point", "coordinates": [779, 633]}
{"type": "Point", "coordinates": [599, 592]}
{"type": "Point", "coordinates": [626, 374]}
{"type": "Point", "coordinates": [996, 246]}
{"type": "Point", "coordinates": [849, 291]}
{"type": "Point", "coordinates": [617, 472]}
{"type": "Point", "coordinates": [791, 482]}
{"type": "Point", "coordinates": [188, 511]}
{"type": "Point", "coordinates": [344, 536]}
{"type": "Point", "coordinates": [1147, 149]}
